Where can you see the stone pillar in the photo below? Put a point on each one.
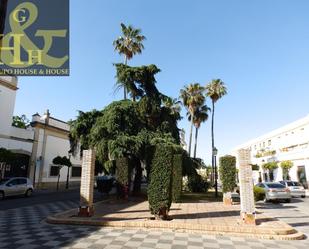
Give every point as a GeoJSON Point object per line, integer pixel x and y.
{"type": "Point", "coordinates": [246, 187]}
{"type": "Point", "coordinates": [87, 184]}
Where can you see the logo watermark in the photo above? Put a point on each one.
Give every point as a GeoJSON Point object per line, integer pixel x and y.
{"type": "Point", "coordinates": [34, 40]}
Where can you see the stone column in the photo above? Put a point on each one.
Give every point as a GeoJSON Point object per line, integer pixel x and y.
{"type": "Point", "coordinates": [87, 184]}
{"type": "Point", "coordinates": [246, 187]}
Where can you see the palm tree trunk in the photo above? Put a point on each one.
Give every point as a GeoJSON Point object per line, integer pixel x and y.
{"type": "Point", "coordinates": [124, 87]}
{"type": "Point", "coordinates": [195, 145]}
{"type": "Point", "coordinates": [212, 141]}
{"type": "Point", "coordinates": [190, 139]}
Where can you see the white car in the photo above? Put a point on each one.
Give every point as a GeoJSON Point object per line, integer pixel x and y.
{"type": "Point", "coordinates": [15, 186]}
{"type": "Point", "coordinates": [275, 191]}
{"type": "Point", "coordinates": [297, 190]}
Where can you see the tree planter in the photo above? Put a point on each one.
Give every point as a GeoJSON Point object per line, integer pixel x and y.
{"type": "Point", "coordinates": [227, 199]}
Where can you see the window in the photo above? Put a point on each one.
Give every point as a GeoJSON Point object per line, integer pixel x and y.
{"type": "Point", "coordinates": [263, 144]}
{"type": "Point", "coordinates": [269, 142]}
{"type": "Point", "coordinates": [76, 171]}
{"type": "Point", "coordinates": [22, 181]}
{"type": "Point", "coordinates": [54, 170]}
{"type": "Point", "coordinates": [12, 183]}
{"type": "Point", "coordinates": [255, 147]}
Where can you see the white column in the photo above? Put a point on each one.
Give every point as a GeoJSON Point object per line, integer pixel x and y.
{"type": "Point", "coordinates": [246, 187]}
{"type": "Point", "coordinates": [87, 184]}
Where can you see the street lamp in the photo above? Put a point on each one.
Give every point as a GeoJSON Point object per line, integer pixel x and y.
{"type": "Point", "coordinates": [215, 153]}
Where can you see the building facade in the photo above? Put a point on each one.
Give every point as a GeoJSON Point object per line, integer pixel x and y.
{"type": "Point", "coordinates": [288, 143]}
{"type": "Point", "coordinates": [45, 138]}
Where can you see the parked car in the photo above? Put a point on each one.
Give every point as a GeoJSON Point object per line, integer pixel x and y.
{"type": "Point", "coordinates": [15, 186]}
{"type": "Point", "coordinates": [297, 190]}
{"type": "Point", "coordinates": [275, 191]}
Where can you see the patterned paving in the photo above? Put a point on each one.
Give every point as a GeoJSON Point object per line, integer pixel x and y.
{"type": "Point", "coordinates": [23, 228]}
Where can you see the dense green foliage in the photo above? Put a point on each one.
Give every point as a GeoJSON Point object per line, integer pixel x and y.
{"type": "Point", "coordinates": [227, 171]}
{"type": "Point", "coordinates": [270, 166]}
{"type": "Point", "coordinates": [159, 189]}
{"type": "Point", "coordinates": [177, 177]}
{"type": "Point", "coordinates": [62, 161]}
{"type": "Point", "coordinates": [127, 128]}
{"type": "Point", "coordinates": [197, 184]}
{"type": "Point", "coordinates": [20, 121]}
{"type": "Point", "coordinates": [123, 176]}
{"type": "Point", "coordinates": [6, 156]}
{"type": "Point", "coordinates": [255, 167]}
{"type": "Point", "coordinates": [259, 193]}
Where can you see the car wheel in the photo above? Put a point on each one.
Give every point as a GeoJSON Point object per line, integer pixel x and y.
{"type": "Point", "coordinates": [288, 200]}
{"type": "Point", "coordinates": [28, 193]}
{"type": "Point", "coordinates": [303, 196]}
{"type": "Point", "coordinates": [265, 200]}
{"type": "Point", "coordinates": [1, 196]}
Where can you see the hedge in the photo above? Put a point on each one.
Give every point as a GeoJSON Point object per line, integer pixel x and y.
{"type": "Point", "coordinates": [259, 193]}
{"type": "Point", "coordinates": [227, 171]}
{"type": "Point", "coordinates": [159, 189]}
{"type": "Point", "coordinates": [122, 177]}
{"type": "Point", "coordinates": [177, 177]}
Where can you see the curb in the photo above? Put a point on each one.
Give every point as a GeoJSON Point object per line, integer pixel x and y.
{"type": "Point", "coordinates": [287, 233]}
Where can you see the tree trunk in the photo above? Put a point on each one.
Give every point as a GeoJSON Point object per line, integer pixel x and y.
{"type": "Point", "coordinates": [195, 144]}
{"type": "Point", "coordinates": [67, 183]}
{"type": "Point", "coordinates": [212, 142]}
{"type": "Point", "coordinates": [190, 139]}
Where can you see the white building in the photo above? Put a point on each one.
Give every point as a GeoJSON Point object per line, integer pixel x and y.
{"type": "Point", "coordinates": [44, 139]}
{"type": "Point", "coordinates": [290, 142]}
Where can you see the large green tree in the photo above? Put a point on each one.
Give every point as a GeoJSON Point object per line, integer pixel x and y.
{"type": "Point", "coordinates": [128, 129]}
{"type": "Point", "coordinates": [216, 89]}
{"type": "Point", "coordinates": [192, 97]}
{"type": "Point", "coordinates": [128, 44]}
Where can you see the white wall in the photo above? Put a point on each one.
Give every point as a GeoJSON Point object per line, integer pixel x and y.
{"type": "Point", "coordinates": [7, 104]}
{"type": "Point", "coordinates": [56, 146]}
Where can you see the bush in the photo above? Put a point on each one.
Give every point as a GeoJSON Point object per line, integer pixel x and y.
{"type": "Point", "coordinates": [227, 171]}
{"type": "Point", "coordinates": [105, 184]}
{"type": "Point", "coordinates": [177, 177]}
{"type": "Point", "coordinates": [196, 184]}
{"type": "Point", "coordinates": [159, 189]}
{"type": "Point", "coordinates": [259, 193]}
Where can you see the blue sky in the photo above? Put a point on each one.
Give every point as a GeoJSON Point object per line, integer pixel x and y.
{"type": "Point", "coordinates": [260, 49]}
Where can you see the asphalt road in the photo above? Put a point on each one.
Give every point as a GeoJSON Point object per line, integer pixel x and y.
{"type": "Point", "coordinates": [22, 225]}
{"type": "Point", "coordinates": [43, 197]}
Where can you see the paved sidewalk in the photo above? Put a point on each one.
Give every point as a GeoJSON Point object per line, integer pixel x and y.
{"type": "Point", "coordinates": [211, 217]}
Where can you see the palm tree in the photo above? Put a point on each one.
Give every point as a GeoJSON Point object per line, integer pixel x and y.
{"type": "Point", "coordinates": [192, 98]}
{"type": "Point", "coordinates": [173, 105]}
{"type": "Point", "coordinates": [200, 116]}
{"type": "Point", "coordinates": [129, 44]}
{"type": "Point", "coordinates": [215, 90]}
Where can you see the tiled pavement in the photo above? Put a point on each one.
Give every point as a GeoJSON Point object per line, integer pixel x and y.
{"type": "Point", "coordinates": [23, 228]}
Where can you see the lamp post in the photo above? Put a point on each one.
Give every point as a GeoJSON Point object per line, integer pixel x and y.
{"type": "Point", "coordinates": [215, 152]}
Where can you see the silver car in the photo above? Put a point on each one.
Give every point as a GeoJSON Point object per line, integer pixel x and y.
{"type": "Point", "coordinates": [15, 186]}
{"type": "Point", "coordinates": [275, 191]}
{"type": "Point", "coordinates": [297, 190]}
